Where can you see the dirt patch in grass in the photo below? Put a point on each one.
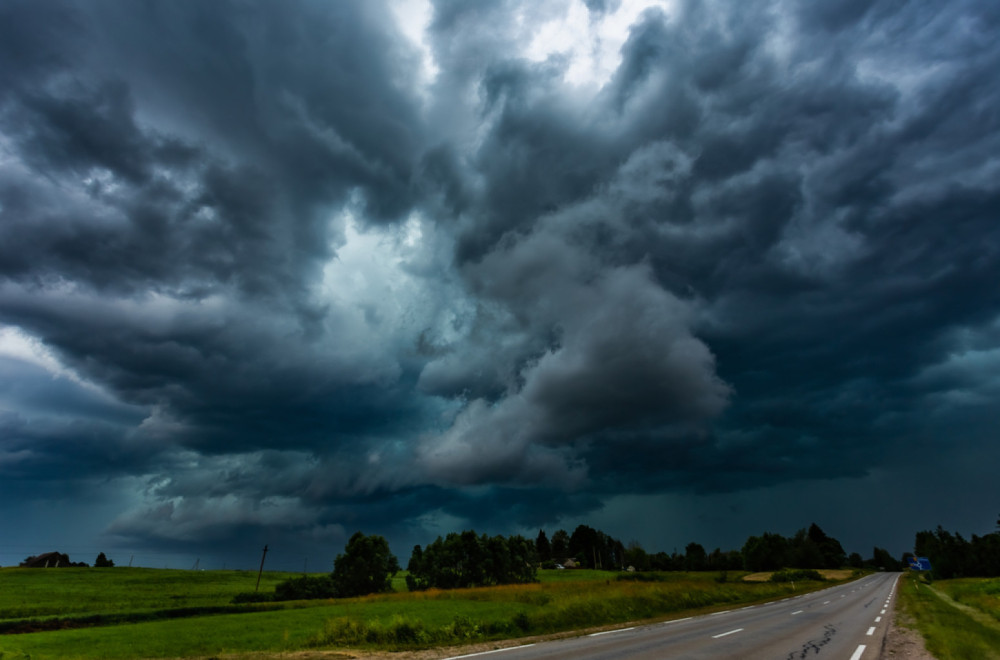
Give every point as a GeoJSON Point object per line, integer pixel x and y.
{"type": "Point", "coordinates": [902, 642]}
{"type": "Point", "coordinates": [758, 577]}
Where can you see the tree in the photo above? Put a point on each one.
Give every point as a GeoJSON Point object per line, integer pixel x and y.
{"type": "Point", "coordinates": [560, 545]}
{"type": "Point", "coordinates": [636, 557]}
{"type": "Point", "coordinates": [543, 547]}
{"type": "Point", "coordinates": [767, 552]}
{"type": "Point", "coordinates": [596, 549]}
{"type": "Point", "coordinates": [832, 553]}
{"type": "Point", "coordinates": [366, 567]}
{"type": "Point", "coordinates": [471, 560]}
{"type": "Point", "coordinates": [882, 560]}
{"type": "Point", "coordinates": [583, 545]}
{"type": "Point", "coordinates": [103, 562]}
{"type": "Point", "coordinates": [695, 557]}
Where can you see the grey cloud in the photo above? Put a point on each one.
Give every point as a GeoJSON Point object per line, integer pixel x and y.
{"type": "Point", "coordinates": [763, 252]}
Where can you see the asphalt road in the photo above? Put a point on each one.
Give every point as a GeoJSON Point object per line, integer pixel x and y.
{"type": "Point", "coordinates": [846, 622]}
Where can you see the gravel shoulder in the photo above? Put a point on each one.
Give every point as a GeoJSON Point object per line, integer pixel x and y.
{"type": "Point", "coordinates": [903, 642]}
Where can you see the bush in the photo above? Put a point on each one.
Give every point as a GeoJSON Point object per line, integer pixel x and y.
{"type": "Point", "coordinates": [252, 597]}
{"type": "Point", "coordinates": [800, 574]}
{"type": "Point", "coordinates": [305, 588]}
{"type": "Point", "coordinates": [641, 577]}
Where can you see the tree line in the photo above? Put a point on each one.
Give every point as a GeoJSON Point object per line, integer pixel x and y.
{"type": "Point", "coordinates": [952, 556]}
{"type": "Point", "coordinates": [469, 559]}
{"type": "Point", "coordinates": [61, 560]}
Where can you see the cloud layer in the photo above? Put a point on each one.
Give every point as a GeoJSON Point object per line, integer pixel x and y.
{"type": "Point", "coordinates": [297, 269]}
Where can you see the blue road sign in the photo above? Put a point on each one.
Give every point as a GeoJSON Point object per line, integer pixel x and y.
{"type": "Point", "coordinates": [920, 563]}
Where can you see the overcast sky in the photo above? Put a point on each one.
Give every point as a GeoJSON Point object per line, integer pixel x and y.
{"type": "Point", "coordinates": [683, 271]}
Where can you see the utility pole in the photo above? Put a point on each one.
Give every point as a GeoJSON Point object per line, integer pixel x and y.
{"type": "Point", "coordinates": [261, 568]}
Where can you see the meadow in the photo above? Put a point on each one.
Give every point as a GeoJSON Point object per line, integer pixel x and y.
{"type": "Point", "coordinates": [158, 613]}
{"type": "Point", "coordinates": [958, 618]}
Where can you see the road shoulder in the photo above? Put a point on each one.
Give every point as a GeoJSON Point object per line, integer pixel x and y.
{"type": "Point", "coordinates": [902, 641]}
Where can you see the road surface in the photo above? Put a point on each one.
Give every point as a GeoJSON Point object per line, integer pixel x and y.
{"type": "Point", "coordinates": [846, 622]}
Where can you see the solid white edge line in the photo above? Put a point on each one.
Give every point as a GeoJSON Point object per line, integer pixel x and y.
{"type": "Point", "coordinates": [610, 632]}
{"type": "Point", "coordinates": [857, 652]}
{"type": "Point", "coordinates": [473, 655]}
{"type": "Point", "coordinates": [727, 633]}
{"type": "Point", "coordinates": [687, 618]}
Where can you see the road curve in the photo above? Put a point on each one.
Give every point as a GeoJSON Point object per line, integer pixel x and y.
{"type": "Point", "coordinates": [846, 622]}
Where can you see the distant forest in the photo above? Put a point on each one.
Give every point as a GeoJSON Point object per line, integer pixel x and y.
{"type": "Point", "coordinates": [952, 556]}
{"type": "Point", "coordinates": [471, 559]}
{"type": "Point", "coordinates": [807, 548]}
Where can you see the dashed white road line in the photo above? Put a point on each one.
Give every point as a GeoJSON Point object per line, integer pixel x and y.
{"type": "Point", "coordinates": [727, 633]}
{"type": "Point", "coordinates": [797, 612]}
{"type": "Point", "coordinates": [871, 631]}
{"type": "Point", "coordinates": [610, 632]}
{"type": "Point", "coordinates": [473, 655]}
{"type": "Point", "coordinates": [857, 652]}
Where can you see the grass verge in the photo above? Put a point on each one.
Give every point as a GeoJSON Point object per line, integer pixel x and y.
{"type": "Point", "coordinates": [559, 602]}
{"type": "Point", "coordinates": [959, 619]}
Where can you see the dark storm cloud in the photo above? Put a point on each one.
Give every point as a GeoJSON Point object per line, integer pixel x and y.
{"type": "Point", "coordinates": [784, 212]}
{"type": "Point", "coordinates": [305, 283]}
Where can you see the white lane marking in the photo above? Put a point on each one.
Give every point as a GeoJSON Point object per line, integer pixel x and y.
{"type": "Point", "coordinates": [826, 602]}
{"type": "Point", "coordinates": [857, 652]}
{"type": "Point", "coordinates": [722, 612]}
{"type": "Point", "coordinates": [473, 655]}
{"type": "Point", "coordinates": [878, 619]}
{"type": "Point", "coordinates": [687, 618]}
{"type": "Point", "coordinates": [798, 612]}
{"type": "Point", "coordinates": [871, 631]}
{"type": "Point", "coordinates": [610, 632]}
{"type": "Point", "coordinates": [882, 612]}
{"type": "Point", "coordinates": [727, 633]}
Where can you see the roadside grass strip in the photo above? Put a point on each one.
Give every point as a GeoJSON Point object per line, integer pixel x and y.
{"type": "Point", "coordinates": [955, 629]}
{"type": "Point", "coordinates": [137, 611]}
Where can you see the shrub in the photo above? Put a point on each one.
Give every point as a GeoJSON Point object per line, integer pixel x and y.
{"type": "Point", "coordinates": [252, 597]}
{"type": "Point", "coordinates": [799, 574]}
{"type": "Point", "coordinates": [305, 588]}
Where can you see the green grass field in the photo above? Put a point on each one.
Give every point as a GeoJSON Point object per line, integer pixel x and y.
{"type": "Point", "coordinates": [959, 619]}
{"type": "Point", "coordinates": [151, 613]}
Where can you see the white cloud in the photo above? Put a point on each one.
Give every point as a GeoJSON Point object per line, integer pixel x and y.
{"type": "Point", "coordinates": [591, 42]}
